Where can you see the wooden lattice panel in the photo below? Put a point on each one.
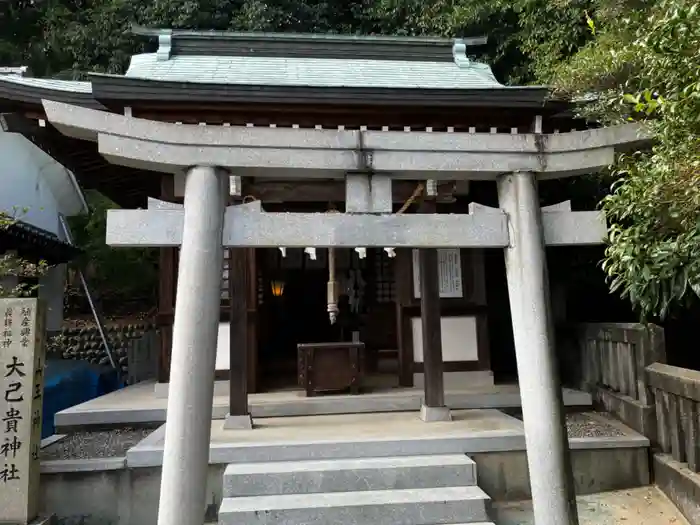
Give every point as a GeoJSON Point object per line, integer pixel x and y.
{"type": "Point", "coordinates": [385, 285]}
{"type": "Point", "coordinates": [225, 298]}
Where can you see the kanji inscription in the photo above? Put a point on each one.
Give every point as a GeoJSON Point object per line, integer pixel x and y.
{"type": "Point", "coordinates": [21, 397]}
{"type": "Point", "coordinates": [449, 273]}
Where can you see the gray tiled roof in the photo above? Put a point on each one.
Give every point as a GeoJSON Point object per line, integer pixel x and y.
{"type": "Point", "coordinates": [47, 83]}
{"type": "Point", "coordinates": [317, 72]}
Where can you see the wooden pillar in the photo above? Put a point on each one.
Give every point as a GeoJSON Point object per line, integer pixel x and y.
{"type": "Point", "coordinates": [252, 320]}
{"type": "Point", "coordinates": [238, 416]}
{"type": "Point", "coordinates": [476, 256]}
{"type": "Point", "coordinates": [167, 272]}
{"type": "Point", "coordinates": [434, 403]}
{"type": "Point", "coordinates": [404, 291]}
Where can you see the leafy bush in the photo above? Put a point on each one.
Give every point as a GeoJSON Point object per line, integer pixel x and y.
{"type": "Point", "coordinates": [26, 272]}
{"type": "Point", "coordinates": [123, 278]}
{"type": "Point", "coordinates": [643, 66]}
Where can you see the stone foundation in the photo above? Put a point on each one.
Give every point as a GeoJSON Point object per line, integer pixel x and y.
{"type": "Point", "coordinates": [460, 380]}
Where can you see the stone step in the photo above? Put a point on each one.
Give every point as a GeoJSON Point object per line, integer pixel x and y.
{"type": "Point", "coordinates": [346, 475]}
{"type": "Point", "coordinates": [434, 506]}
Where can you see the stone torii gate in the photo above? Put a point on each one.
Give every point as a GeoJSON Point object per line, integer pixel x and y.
{"type": "Point", "coordinates": [368, 161]}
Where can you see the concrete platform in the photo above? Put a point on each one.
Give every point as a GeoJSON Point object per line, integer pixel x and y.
{"type": "Point", "coordinates": [366, 435]}
{"type": "Point", "coordinates": [348, 436]}
{"type": "Point", "coordinates": [85, 489]}
{"type": "Point", "coordinates": [139, 404]}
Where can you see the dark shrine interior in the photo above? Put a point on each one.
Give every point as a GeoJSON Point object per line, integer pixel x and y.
{"type": "Point", "coordinates": [293, 311]}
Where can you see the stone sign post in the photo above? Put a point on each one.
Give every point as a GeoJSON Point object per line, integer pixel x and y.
{"type": "Point", "coordinates": [21, 396]}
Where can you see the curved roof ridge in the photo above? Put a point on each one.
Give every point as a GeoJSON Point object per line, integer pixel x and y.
{"type": "Point", "coordinates": [307, 45]}
{"type": "Point", "coordinates": [266, 35]}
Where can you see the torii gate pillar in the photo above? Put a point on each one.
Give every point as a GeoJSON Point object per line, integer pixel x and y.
{"type": "Point", "coordinates": [195, 332]}
{"type": "Point", "coordinates": [553, 496]}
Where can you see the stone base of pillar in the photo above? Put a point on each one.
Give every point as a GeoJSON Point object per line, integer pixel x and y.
{"type": "Point", "coordinates": [161, 390]}
{"type": "Point", "coordinates": [459, 380]}
{"type": "Point", "coordinates": [238, 422]}
{"type": "Point", "coordinates": [221, 389]}
{"type": "Point", "coordinates": [433, 414]}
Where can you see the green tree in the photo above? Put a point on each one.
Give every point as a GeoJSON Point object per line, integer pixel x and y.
{"type": "Point", "coordinates": [123, 278]}
{"type": "Point", "coordinates": [643, 66]}
{"type": "Point", "coordinates": [526, 37]}
{"type": "Point", "coordinates": [20, 32]}
{"type": "Point", "coordinates": [94, 35]}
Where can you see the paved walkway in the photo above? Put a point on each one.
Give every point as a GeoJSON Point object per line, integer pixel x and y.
{"type": "Point", "coordinates": [642, 506]}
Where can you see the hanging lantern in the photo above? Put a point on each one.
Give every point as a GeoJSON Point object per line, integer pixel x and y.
{"type": "Point", "coordinates": [277, 287]}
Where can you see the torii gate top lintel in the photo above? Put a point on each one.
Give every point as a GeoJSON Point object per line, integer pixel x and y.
{"type": "Point", "coordinates": [335, 153]}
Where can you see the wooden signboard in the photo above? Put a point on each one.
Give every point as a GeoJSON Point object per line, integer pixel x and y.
{"type": "Point", "coordinates": [449, 274]}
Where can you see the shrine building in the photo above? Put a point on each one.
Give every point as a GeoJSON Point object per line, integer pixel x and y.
{"type": "Point", "coordinates": [328, 210]}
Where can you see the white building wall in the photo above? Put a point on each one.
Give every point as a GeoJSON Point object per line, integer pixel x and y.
{"type": "Point", "coordinates": [24, 194]}
{"type": "Point", "coordinates": [35, 189]}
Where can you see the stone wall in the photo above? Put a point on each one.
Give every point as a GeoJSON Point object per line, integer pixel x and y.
{"type": "Point", "coordinates": [676, 394]}
{"type": "Point", "coordinates": [609, 361]}
{"type": "Point", "coordinates": [103, 492]}
{"type": "Point", "coordinates": [623, 367]}
{"type": "Point", "coordinates": [133, 346]}
{"type": "Point", "coordinates": [107, 492]}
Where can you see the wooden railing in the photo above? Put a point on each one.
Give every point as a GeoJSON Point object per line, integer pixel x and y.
{"type": "Point", "coordinates": [676, 394]}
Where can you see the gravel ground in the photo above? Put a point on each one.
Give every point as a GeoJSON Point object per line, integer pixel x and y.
{"type": "Point", "coordinates": [580, 424]}
{"type": "Point", "coordinates": [583, 425]}
{"type": "Point", "coordinates": [91, 445]}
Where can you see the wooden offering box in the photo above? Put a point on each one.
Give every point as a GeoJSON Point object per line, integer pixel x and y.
{"type": "Point", "coordinates": [324, 367]}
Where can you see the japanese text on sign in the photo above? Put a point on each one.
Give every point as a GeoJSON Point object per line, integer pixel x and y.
{"type": "Point", "coordinates": [21, 397]}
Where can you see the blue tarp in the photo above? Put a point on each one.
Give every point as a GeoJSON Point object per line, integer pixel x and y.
{"type": "Point", "coordinates": [68, 383]}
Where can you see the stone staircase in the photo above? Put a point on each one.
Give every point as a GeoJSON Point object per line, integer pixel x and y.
{"type": "Point", "coordinates": [409, 490]}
